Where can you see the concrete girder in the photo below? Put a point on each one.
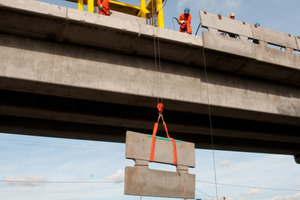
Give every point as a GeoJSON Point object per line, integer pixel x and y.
{"type": "Point", "coordinates": [84, 57]}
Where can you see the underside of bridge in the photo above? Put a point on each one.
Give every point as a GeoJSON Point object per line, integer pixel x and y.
{"type": "Point", "coordinates": [54, 116]}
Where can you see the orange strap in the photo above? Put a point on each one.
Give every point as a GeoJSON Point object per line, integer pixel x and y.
{"type": "Point", "coordinates": [160, 108]}
{"type": "Point", "coordinates": [153, 142]}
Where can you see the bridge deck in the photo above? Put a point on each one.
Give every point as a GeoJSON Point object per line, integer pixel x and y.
{"type": "Point", "coordinates": [69, 73]}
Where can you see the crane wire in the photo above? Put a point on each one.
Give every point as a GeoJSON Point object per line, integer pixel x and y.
{"type": "Point", "coordinates": [157, 62]}
{"type": "Point", "coordinates": [210, 125]}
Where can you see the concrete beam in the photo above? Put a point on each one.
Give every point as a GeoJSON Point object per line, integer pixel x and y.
{"type": "Point", "coordinates": [76, 57]}
{"type": "Point", "coordinates": [132, 37]}
{"type": "Point", "coordinates": [66, 65]}
{"type": "Point", "coordinates": [86, 77]}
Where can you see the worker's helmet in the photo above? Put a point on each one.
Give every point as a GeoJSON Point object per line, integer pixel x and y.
{"type": "Point", "coordinates": [186, 11]}
{"type": "Point", "coordinates": [257, 24]}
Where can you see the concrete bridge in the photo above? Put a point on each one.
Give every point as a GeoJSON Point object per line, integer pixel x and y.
{"type": "Point", "coordinates": [73, 74]}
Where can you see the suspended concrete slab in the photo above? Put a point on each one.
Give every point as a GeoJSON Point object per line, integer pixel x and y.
{"type": "Point", "coordinates": [142, 181]}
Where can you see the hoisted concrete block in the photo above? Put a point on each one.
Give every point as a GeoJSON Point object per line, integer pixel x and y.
{"type": "Point", "coordinates": [142, 181]}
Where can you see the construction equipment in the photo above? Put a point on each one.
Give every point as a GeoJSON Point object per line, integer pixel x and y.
{"type": "Point", "coordinates": [152, 11]}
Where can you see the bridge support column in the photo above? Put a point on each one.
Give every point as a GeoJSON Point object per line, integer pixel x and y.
{"type": "Point", "coordinates": [297, 159]}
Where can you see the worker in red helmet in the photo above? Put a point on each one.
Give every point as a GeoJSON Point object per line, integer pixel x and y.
{"type": "Point", "coordinates": [185, 21]}
{"type": "Point", "coordinates": [104, 7]}
{"type": "Point", "coordinates": [232, 16]}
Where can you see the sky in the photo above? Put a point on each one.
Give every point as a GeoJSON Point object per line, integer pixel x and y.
{"type": "Point", "coordinates": [64, 169]}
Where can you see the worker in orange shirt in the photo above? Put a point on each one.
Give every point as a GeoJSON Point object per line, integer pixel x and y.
{"type": "Point", "coordinates": [104, 7]}
{"type": "Point", "coordinates": [185, 21]}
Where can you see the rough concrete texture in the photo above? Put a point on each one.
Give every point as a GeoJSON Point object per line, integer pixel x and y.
{"type": "Point", "coordinates": [213, 41]}
{"type": "Point", "coordinates": [298, 41]}
{"type": "Point", "coordinates": [142, 181]}
{"type": "Point", "coordinates": [106, 71]}
{"type": "Point", "coordinates": [267, 50]}
{"type": "Point", "coordinates": [130, 36]}
{"type": "Point", "coordinates": [212, 21]}
{"type": "Point", "coordinates": [138, 146]}
{"type": "Point", "coordinates": [73, 59]}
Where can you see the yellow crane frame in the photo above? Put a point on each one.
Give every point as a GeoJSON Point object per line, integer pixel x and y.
{"type": "Point", "coordinates": [144, 10]}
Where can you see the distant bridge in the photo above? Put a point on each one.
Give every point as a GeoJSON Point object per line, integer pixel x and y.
{"type": "Point", "coordinates": [73, 74]}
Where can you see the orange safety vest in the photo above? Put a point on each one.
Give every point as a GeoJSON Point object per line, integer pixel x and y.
{"type": "Point", "coordinates": [106, 9]}
{"type": "Point", "coordinates": [186, 26]}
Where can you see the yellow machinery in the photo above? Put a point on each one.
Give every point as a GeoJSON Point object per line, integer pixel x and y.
{"type": "Point", "coordinates": [152, 10]}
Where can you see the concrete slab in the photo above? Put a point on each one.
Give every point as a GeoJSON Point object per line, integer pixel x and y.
{"type": "Point", "coordinates": [138, 146]}
{"type": "Point", "coordinates": [36, 7]}
{"type": "Point", "coordinates": [274, 37]}
{"type": "Point", "coordinates": [298, 41]}
{"type": "Point", "coordinates": [142, 181]}
{"type": "Point", "coordinates": [268, 54]}
{"type": "Point", "coordinates": [225, 24]}
{"type": "Point", "coordinates": [228, 45]}
{"type": "Point", "coordinates": [32, 23]}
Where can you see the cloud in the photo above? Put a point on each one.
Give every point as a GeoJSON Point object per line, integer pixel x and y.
{"type": "Point", "coordinates": [119, 176]}
{"type": "Point", "coordinates": [288, 197]}
{"type": "Point", "coordinates": [251, 192]}
{"type": "Point", "coordinates": [25, 181]}
{"type": "Point", "coordinates": [225, 163]}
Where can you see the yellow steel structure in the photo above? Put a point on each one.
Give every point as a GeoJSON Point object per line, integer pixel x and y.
{"type": "Point", "coordinates": [90, 5]}
{"type": "Point", "coordinates": [80, 4]}
{"type": "Point", "coordinates": [152, 8]}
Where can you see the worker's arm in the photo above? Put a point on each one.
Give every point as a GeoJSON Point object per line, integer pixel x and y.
{"type": "Point", "coordinates": [180, 20]}
{"type": "Point", "coordinates": [190, 18]}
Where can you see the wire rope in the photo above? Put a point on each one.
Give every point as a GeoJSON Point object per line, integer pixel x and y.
{"type": "Point", "coordinates": [210, 124]}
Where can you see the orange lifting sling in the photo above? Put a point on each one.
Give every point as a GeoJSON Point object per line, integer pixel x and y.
{"type": "Point", "coordinates": [160, 108]}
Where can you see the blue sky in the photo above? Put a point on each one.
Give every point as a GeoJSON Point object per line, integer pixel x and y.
{"type": "Point", "coordinates": [88, 170]}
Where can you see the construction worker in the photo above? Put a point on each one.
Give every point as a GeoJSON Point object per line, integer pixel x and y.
{"type": "Point", "coordinates": [232, 16]}
{"type": "Point", "coordinates": [103, 6]}
{"type": "Point", "coordinates": [185, 21]}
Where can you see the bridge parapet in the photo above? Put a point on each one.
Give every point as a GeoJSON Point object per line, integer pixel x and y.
{"type": "Point", "coordinates": [264, 50]}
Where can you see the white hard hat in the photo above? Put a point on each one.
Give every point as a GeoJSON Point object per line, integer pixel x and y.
{"type": "Point", "coordinates": [232, 14]}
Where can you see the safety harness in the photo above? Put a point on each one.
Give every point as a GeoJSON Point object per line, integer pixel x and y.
{"type": "Point", "coordinates": [160, 108]}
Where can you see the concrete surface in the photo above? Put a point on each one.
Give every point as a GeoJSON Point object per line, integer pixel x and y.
{"type": "Point", "coordinates": [138, 146]}
{"type": "Point", "coordinates": [263, 58]}
{"type": "Point", "coordinates": [59, 64]}
{"type": "Point", "coordinates": [142, 181]}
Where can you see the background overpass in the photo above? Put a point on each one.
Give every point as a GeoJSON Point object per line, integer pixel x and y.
{"type": "Point", "coordinates": [72, 74]}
